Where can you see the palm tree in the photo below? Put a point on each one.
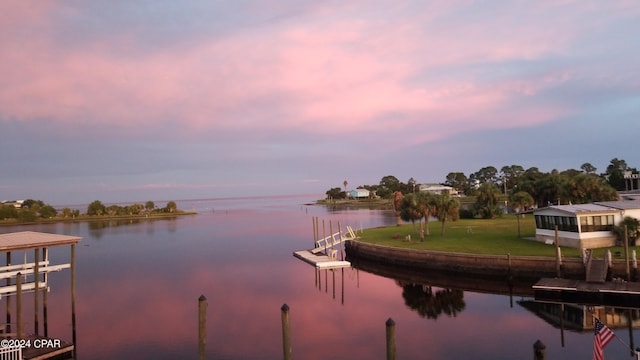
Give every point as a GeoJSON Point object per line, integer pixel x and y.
{"type": "Point", "coordinates": [427, 206]}
{"type": "Point", "coordinates": [632, 226]}
{"type": "Point", "coordinates": [397, 200]}
{"type": "Point", "coordinates": [521, 200]}
{"type": "Point", "coordinates": [486, 204]}
{"type": "Point", "coordinates": [410, 211]}
{"type": "Point", "coordinates": [447, 208]}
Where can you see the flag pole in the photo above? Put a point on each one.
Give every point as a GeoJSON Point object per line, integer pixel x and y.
{"type": "Point", "coordinates": [635, 352]}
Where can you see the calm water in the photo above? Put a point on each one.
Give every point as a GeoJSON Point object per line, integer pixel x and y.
{"type": "Point", "coordinates": [138, 286]}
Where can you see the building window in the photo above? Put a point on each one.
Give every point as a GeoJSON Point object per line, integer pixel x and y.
{"type": "Point", "coordinates": [596, 223]}
{"type": "Point", "coordinates": [564, 223]}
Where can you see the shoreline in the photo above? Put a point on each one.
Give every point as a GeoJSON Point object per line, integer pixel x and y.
{"type": "Point", "coordinates": [97, 218]}
{"type": "Point", "coordinates": [509, 267]}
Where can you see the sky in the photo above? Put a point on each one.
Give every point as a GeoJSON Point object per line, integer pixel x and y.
{"type": "Point", "coordinates": [125, 101]}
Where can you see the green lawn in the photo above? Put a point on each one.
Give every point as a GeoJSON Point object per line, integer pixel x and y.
{"type": "Point", "coordinates": [477, 236]}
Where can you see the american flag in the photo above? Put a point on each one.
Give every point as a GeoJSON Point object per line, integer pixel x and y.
{"type": "Point", "coordinates": [603, 335]}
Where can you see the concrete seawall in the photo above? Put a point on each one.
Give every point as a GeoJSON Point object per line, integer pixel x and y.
{"type": "Point", "coordinates": [470, 264]}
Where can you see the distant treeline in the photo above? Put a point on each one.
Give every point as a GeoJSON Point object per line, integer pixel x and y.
{"type": "Point", "coordinates": [32, 210]}
{"type": "Point", "coordinates": [555, 187]}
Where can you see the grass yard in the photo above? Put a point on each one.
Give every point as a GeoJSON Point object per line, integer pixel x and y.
{"type": "Point", "coordinates": [476, 236]}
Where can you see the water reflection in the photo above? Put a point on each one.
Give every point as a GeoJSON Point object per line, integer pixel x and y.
{"type": "Point", "coordinates": [431, 303]}
{"type": "Point", "coordinates": [433, 294]}
{"type": "Point", "coordinates": [138, 287]}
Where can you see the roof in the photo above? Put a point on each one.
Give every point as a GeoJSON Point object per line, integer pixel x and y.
{"type": "Point", "coordinates": [579, 208]}
{"type": "Point", "coordinates": [597, 207]}
{"type": "Point", "coordinates": [621, 204]}
{"type": "Point", "coordinates": [34, 240]}
{"type": "Point", "coordinates": [434, 186]}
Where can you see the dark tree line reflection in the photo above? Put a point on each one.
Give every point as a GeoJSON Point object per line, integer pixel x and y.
{"type": "Point", "coordinates": [431, 304]}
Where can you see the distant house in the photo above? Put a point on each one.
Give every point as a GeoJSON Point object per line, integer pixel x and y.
{"type": "Point", "coordinates": [438, 189]}
{"type": "Point", "coordinates": [15, 203]}
{"type": "Point", "coordinates": [583, 226]}
{"type": "Point", "coordinates": [359, 194]}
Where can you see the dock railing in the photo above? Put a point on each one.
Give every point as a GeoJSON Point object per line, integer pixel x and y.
{"type": "Point", "coordinates": [11, 352]}
{"type": "Point", "coordinates": [328, 242]}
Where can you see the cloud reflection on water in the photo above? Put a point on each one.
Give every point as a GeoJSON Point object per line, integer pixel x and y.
{"type": "Point", "coordinates": [138, 287]}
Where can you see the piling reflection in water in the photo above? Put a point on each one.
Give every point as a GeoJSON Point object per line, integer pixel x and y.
{"type": "Point", "coordinates": [434, 293]}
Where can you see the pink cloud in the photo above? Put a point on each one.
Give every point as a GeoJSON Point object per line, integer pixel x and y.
{"type": "Point", "coordinates": [324, 72]}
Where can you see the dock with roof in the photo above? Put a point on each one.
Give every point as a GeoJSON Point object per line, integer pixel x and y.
{"type": "Point", "coordinates": [29, 273]}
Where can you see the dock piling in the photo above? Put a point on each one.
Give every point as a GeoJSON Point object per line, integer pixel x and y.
{"type": "Point", "coordinates": [36, 281]}
{"type": "Point", "coordinates": [202, 326]}
{"type": "Point", "coordinates": [539, 350]}
{"type": "Point", "coordinates": [286, 332]}
{"type": "Point", "coordinates": [19, 304]}
{"type": "Point", "coordinates": [8, 301]}
{"type": "Point", "coordinates": [391, 339]}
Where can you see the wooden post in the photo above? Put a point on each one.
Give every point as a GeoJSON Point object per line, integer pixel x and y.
{"type": "Point", "coordinates": [558, 253]}
{"type": "Point", "coordinates": [36, 283]}
{"type": "Point", "coordinates": [538, 350]}
{"type": "Point", "coordinates": [391, 339]}
{"type": "Point", "coordinates": [324, 235]}
{"type": "Point", "coordinates": [341, 242]}
{"type": "Point", "coordinates": [313, 230]}
{"type": "Point", "coordinates": [634, 263]}
{"type": "Point", "coordinates": [314, 220]}
{"type": "Point", "coordinates": [332, 240]}
{"type": "Point", "coordinates": [562, 324]}
{"type": "Point", "coordinates": [342, 286]}
{"type": "Point", "coordinates": [19, 304]}
{"type": "Point", "coordinates": [73, 299]}
{"type": "Point", "coordinates": [45, 325]}
{"type": "Point", "coordinates": [286, 333]}
{"type": "Point", "coordinates": [630, 328]}
{"type": "Point", "coordinates": [8, 282]}
{"type": "Point", "coordinates": [326, 281]}
{"type": "Point", "coordinates": [626, 252]}
{"type": "Point", "coordinates": [333, 273]}
{"type": "Point", "coordinates": [202, 326]}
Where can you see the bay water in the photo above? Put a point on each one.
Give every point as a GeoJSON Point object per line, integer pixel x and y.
{"type": "Point", "coordinates": [139, 281]}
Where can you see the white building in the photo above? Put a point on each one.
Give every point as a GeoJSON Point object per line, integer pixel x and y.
{"type": "Point", "coordinates": [359, 194]}
{"type": "Point", "coordinates": [437, 189]}
{"type": "Point", "coordinates": [585, 225]}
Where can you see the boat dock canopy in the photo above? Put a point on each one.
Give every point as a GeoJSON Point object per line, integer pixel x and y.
{"type": "Point", "coordinates": [33, 240]}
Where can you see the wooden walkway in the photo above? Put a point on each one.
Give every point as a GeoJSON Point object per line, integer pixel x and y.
{"type": "Point", "coordinates": [612, 293]}
{"type": "Point", "coordinates": [324, 254]}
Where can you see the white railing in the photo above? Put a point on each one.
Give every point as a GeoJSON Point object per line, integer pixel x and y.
{"type": "Point", "coordinates": [11, 353]}
{"type": "Point", "coordinates": [330, 241]}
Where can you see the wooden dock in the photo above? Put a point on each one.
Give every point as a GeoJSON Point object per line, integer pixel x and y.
{"type": "Point", "coordinates": [321, 261]}
{"type": "Point", "coordinates": [611, 293]}
{"type": "Point", "coordinates": [324, 254]}
{"type": "Point", "coordinates": [45, 348]}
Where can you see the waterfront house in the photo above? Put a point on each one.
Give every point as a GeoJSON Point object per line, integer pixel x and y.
{"type": "Point", "coordinates": [15, 203]}
{"type": "Point", "coordinates": [583, 226]}
{"type": "Point", "coordinates": [359, 194]}
{"type": "Point", "coordinates": [437, 189]}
